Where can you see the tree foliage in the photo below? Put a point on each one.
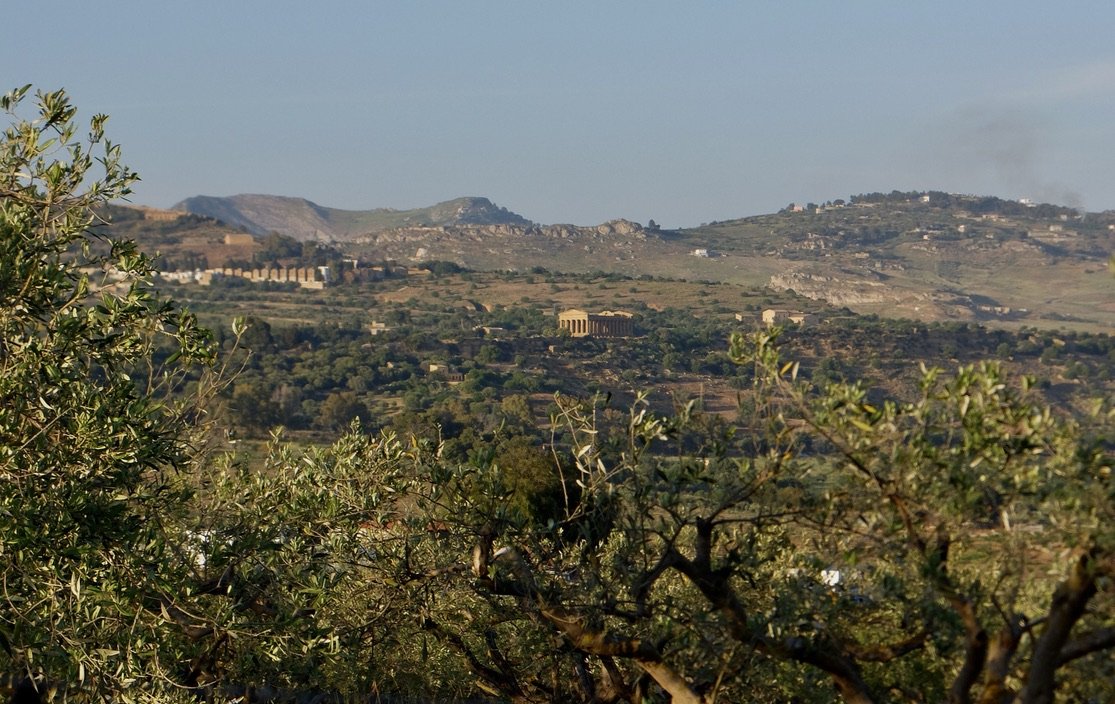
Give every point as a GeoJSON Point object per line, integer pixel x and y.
{"type": "Point", "coordinates": [88, 428]}
{"type": "Point", "coordinates": [956, 547]}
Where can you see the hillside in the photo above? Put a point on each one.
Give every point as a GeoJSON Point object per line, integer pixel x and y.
{"type": "Point", "coordinates": [305, 220]}
{"type": "Point", "coordinates": [934, 256]}
{"type": "Point", "coordinates": [182, 240]}
{"type": "Point", "coordinates": [925, 256]}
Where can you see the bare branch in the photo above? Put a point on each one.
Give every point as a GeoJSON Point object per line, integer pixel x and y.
{"type": "Point", "coordinates": [889, 651]}
{"type": "Point", "coordinates": [1086, 644]}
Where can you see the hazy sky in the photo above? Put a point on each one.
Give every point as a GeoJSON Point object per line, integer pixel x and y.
{"type": "Point", "coordinates": [684, 112]}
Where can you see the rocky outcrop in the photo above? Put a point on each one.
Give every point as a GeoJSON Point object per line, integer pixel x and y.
{"type": "Point", "coordinates": [855, 291]}
{"type": "Point", "coordinates": [836, 290]}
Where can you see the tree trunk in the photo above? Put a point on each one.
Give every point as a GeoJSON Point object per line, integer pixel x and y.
{"type": "Point", "coordinates": [1069, 602]}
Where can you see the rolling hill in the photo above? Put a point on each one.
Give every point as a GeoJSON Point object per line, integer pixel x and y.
{"type": "Point", "coordinates": [926, 256]}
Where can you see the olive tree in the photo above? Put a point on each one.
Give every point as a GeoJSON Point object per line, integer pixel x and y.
{"type": "Point", "coordinates": [91, 432]}
{"type": "Point", "coordinates": [975, 522]}
{"type": "Point", "coordinates": [955, 546]}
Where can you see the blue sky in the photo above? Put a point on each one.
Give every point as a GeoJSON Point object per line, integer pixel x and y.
{"type": "Point", "coordinates": [586, 111]}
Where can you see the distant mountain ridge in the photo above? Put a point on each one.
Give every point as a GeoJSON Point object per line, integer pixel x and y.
{"type": "Point", "coordinates": [306, 220]}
